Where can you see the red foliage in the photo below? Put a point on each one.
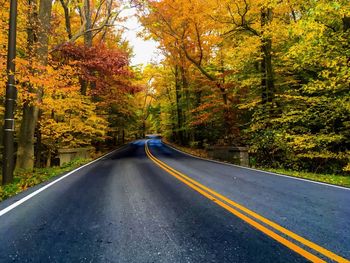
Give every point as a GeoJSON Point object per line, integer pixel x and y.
{"type": "Point", "coordinates": [103, 67]}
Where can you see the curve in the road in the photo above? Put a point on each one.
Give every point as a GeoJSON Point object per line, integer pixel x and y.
{"type": "Point", "coordinates": [228, 204]}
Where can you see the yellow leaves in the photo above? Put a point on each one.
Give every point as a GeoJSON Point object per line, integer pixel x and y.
{"type": "Point", "coordinates": [181, 25]}
{"type": "Point", "coordinates": [249, 105]}
{"type": "Point", "coordinates": [70, 120]}
{"type": "Point", "coordinates": [308, 144]}
{"type": "Point", "coordinates": [319, 155]}
{"type": "Point", "coordinates": [247, 49]}
{"type": "Point", "coordinates": [347, 168]}
{"type": "Point", "coordinates": [301, 142]}
{"type": "Point", "coordinates": [51, 78]}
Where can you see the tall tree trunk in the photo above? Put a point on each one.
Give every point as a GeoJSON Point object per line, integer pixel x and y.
{"type": "Point", "coordinates": [67, 18]}
{"type": "Point", "coordinates": [185, 90]}
{"type": "Point", "coordinates": [173, 113]}
{"type": "Point", "coordinates": [48, 160]}
{"type": "Point", "coordinates": [39, 146]}
{"type": "Point", "coordinates": [267, 81]}
{"type": "Point", "coordinates": [178, 106]}
{"type": "Point", "coordinates": [44, 30]}
{"type": "Point", "coordinates": [31, 29]}
{"type": "Point", "coordinates": [84, 84]}
{"type": "Point", "coordinates": [198, 135]}
{"type": "Point", "coordinates": [88, 32]}
{"type": "Point", "coordinates": [25, 153]}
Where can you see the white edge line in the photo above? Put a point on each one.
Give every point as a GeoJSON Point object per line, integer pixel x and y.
{"type": "Point", "coordinates": [27, 197]}
{"type": "Point", "coordinates": [257, 170]}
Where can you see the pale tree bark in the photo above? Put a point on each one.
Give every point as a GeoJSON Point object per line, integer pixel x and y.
{"type": "Point", "coordinates": [88, 32]}
{"type": "Point", "coordinates": [25, 153]}
{"type": "Point", "coordinates": [86, 17]}
{"type": "Point", "coordinates": [88, 29]}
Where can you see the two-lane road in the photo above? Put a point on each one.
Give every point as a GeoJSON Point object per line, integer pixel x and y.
{"type": "Point", "coordinates": [155, 204]}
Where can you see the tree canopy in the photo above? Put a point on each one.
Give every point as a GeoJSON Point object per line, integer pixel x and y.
{"type": "Point", "coordinates": [271, 75]}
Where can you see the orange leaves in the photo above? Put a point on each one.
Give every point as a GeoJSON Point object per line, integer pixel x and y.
{"type": "Point", "coordinates": [182, 25]}
{"type": "Point", "coordinates": [32, 76]}
{"type": "Point", "coordinates": [208, 111]}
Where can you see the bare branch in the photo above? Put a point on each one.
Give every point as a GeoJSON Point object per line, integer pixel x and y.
{"type": "Point", "coordinates": [97, 13]}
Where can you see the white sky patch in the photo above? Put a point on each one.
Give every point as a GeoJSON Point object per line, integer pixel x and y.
{"type": "Point", "coordinates": [145, 52]}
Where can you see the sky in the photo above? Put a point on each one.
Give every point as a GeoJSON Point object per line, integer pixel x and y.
{"type": "Point", "coordinates": [144, 51]}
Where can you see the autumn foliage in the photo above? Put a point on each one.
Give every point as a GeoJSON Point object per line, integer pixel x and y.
{"type": "Point", "coordinates": [72, 73]}
{"type": "Point", "coordinates": [103, 66]}
{"type": "Point", "coordinates": [271, 75]}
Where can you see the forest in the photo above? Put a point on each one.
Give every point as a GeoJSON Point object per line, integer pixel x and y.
{"type": "Point", "coordinates": [272, 75]}
{"type": "Point", "coordinates": [74, 82]}
{"type": "Point", "coordinates": [267, 74]}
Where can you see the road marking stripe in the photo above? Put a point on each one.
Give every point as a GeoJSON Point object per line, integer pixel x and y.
{"type": "Point", "coordinates": [192, 183]}
{"type": "Point", "coordinates": [31, 195]}
{"type": "Point", "coordinates": [250, 221]}
{"type": "Point", "coordinates": [264, 220]}
{"type": "Point", "coordinates": [257, 170]}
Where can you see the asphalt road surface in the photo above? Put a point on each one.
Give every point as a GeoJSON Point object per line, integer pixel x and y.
{"type": "Point", "coordinates": [155, 204]}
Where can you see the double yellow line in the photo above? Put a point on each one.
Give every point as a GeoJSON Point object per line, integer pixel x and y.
{"type": "Point", "coordinates": [251, 217]}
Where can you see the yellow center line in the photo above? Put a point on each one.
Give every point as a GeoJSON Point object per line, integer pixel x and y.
{"type": "Point", "coordinates": [212, 195]}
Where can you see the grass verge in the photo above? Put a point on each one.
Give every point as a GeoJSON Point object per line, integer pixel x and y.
{"type": "Point", "coordinates": [23, 179]}
{"type": "Point", "coordinates": [324, 178]}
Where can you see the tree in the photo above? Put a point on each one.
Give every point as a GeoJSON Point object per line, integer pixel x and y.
{"type": "Point", "coordinates": [39, 38]}
{"type": "Point", "coordinates": [280, 68]}
{"type": "Point", "coordinates": [51, 59]}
